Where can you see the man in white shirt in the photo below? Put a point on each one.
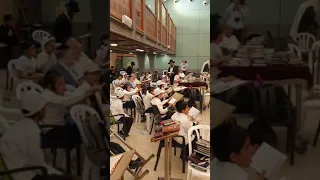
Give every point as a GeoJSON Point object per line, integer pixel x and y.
{"type": "Point", "coordinates": [26, 66]}
{"type": "Point", "coordinates": [20, 146]}
{"type": "Point", "coordinates": [116, 107]}
{"type": "Point", "coordinates": [47, 57]}
{"type": "Point", "coordinates": [233, 152]}
{"type": "Point", "coordinates": [229, 42]}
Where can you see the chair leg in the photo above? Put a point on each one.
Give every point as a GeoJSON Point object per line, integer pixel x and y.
{"type": "Point", "coordinates": [184, 155]}
{"type": "Point", "coordinates": [175, 151]}
{"type": "Point", "coordinates": [54, 162]}
{"type": "Point", "coordinates": [158, 155]}
{"type": "Point", "coordinates": [68, 161]}
{"type": "Point", "coordinates": [78, 148]}
{"type": "Point", "coordinates": [316, 135]}
{"type": "Point", "coordinates": [288, 140]}
{"type": "Point", "coordinates": [152, 126]}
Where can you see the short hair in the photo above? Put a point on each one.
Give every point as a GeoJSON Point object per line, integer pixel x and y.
{"type": "Point", "coordinates": [181, 105]}
{"type": "Point", "coordinates": [261, 132]}
{"type": "Point", "coordinates": [26, 45]}
{"type": "Point", "coordinates": [104, 37]}
{"type": "Point", "coordinates": [150, 89]}
{"type": "Point", "coordinates": [192, 103]}
{"type": "Point", "coordinates": [227, 139]}
{"type": "Point", "coordinates": [215, 34]}
{"type": "Point", "coordinates": [61, 51]}
{"type": "Point", "coordinates": [112, 67]}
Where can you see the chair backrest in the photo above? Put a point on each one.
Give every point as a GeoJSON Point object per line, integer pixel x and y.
{"type": "Point", "coordinates": [139, 104]}
{"type": "Point", "coordinates": [114, 84]}
{"type": "Point", "coordinates": [39, 36]}
{"type": "Point", "coordinates": [157, 118]}
{"type": "Point", "coordinates": [313, 60]}
{"type": "Point", "coordinates": [27, 86]}
{"type": "Point", "coordinates": [79, 114]}
{"type": "Point", "coordinates": [304, 41]}
{"type": "Point", "coordinates": [11, 69]}
{"type": "Point", "coordinates": [202, 131]}
{"type": "Point", "coordinates": [295, 49]}
{"type": "Point", "coordinates": [155, 110]}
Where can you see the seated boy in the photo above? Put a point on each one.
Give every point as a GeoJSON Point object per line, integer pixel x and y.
{"type": "Point", "coordinates": [230, 145]}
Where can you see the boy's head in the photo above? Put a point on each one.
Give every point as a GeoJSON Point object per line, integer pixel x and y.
{"type": "Point", "coordinates": [49, 45]}
{"type": "Point", "coordinates": [104, 39]}
{"type": "Point", "coordinates": [192, 103]}
{"type": "Point", "coordinates": [182, 107]}
{"type": "Point", "coordinates": [119, 76]}
{"type": "Point", "coordinates": [92, 75]}
{"type": "Point", "coordinates": [216, 35]}
{"type": "Point", "coordinates": [261, 132]}
{"type": "Point", "coordinates": [29, 49]}
{"type": "Point", "coordinates": [33, 105]}
{"type": "Point", "coordinates": [231, 143]}
{"type": "Point", "coordinates": [151, 89]}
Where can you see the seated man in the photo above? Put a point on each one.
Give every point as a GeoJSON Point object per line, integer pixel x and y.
{"type": "Point", "coordinates": [232, 151]}
{"type": "Point", "coordinates": [64, 66]}
{"type": "Point", "coordinates": [81, 60]}
{"type": "Point", "coordinates": [20, 145]}
{"type": "Point", "coordinates": [47, 58]}
{"type": "Point", "coordinates": [26, 66]}
{"type": "Point", "coordinates": [116, 107]}
{"type": "Point", "coordinates": [229, 42]}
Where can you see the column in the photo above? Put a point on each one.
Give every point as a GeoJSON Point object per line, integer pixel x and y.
{"type": "Point", "coordinates": [141, 58]}
{"type": "Point", "coordinates": [151, 61]}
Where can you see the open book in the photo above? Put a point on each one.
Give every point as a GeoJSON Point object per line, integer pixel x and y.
{"type": "Point", "coordinates": [175, 98]}
{"type": "Point", "coordinates": [114, 160]}
{"type": "Point", "coordinates": [268, 160]}
{"type": "Point", "coordinates": [193, 112]}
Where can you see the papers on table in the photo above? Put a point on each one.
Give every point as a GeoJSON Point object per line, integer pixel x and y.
{"type": "Point", "coordinates": [172, 101]}
{"type": "Point", "coordinates": [114, 160]}
{"type": "Point", "coordinates": [268, 160]}
{"type": "Point", "coordinates": [193, 112]}
{"type": "Point", "coordinates": [223, 86]}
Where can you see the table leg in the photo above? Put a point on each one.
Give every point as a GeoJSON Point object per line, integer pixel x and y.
{"type": "Point", "coordinates": [299, 105]}
{"type": "Point", "coordinates": [169, 156]}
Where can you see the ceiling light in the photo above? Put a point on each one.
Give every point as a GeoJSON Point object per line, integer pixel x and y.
{"type": "Point", "coordinates": [176, 1]}
{"type": "Point", "coordinates": [114, 45]}
{"type": "Point", "coordinates": [138, 49]}
{"type": "Point", "coordinates": [110, 50]}
{"type": "Point", "coordinates": [154, 53]}
{"type": "Point", "coordinates": [149, 6]}
{"type": "Point", "coordinates": [131, 53]}
{"type": "Point", "coordinates": [141, 50]}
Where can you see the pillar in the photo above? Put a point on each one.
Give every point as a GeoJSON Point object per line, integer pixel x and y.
{"type": "Point", "coordinates": [151, 61]}
{"type": "Point", "coordinates": [113, 59]}
{"type": "Point", "coordinates": [141, 58]}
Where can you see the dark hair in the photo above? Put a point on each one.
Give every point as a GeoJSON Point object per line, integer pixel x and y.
{"type": "Point", "coordinates": [24, 112]}
{"type": "Point", "coordinates": [26, 45]}
{"type": "Point", "coordinates": [50, 79]}
{"type": "Point", "coordinates": [261, 132]}
{"type": "Point", "coordinates": [192, 103]}
{"type": "Point", "coordinates": [112, 67]}
{"type": "Point", "coordinates": [125, 86]}
{"type": "Point", "coordinates": [215, 34]}
{"type": "Point", "coordinates": [150, 89]}
{"type": "Point", "coordinates": [61, 51]}
{"type": "Point", "coordinates": [227, 139]}
{"type": "Point", "coordinates": [181, 105]}
{"type": "Point", "coordinates": [103, 37]}
{"type": "Point", "coordinates": [242, 2]}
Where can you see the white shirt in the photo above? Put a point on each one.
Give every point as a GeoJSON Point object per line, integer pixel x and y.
{"type": "Point", "coordinates": [216, 54]}
{"type": "Point", "coordinates": [184, 66]}
{"type": "Point", "coordinates": [102, 53]}
{"type": "Point", "coordinates": [85, 87]}
{"type": "Point", "coordinates": [116, 107]}
{"type": "Point", "coordinates": [71, 72]}
{"type": "Point", "coordinates": [227, 171]}
{"type": "Point", "coordinates": [230, 43]}
{"type": "Point", "coordinates": [20, 148]}
{"type": "Point", "coordinates": [156, 101]}
{"type": "Point", "coordinates": [57, 105]}
{"type": "Point", "coordinates": [46, 60]}
{"type": "Point", "coordinates": [176, 78]}
{"type": "Point", "coordinates": [135, 81]}
{"type": "Point", "coordinates": [232, 15]}
{"type": "Point", "coordinates": [147, 100]}
{"type": "Point", "coordinates": [171, 69]}
{"type": "Point", "coordinates": [117, 82]}
{"type": "Point", "coordinates": [81, 65]}
{"type": "Point", "coordinates": [128, 95]}
{"type": "Point", "coordinates": [185, 125]}
{"type": "Point", "coordinates": [26, 64]}
{"type": "Point", "coordinates": [124, 80]}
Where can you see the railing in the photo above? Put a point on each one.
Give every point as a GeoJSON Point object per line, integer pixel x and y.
{"type": "Point", "coordinates": [162, 32]}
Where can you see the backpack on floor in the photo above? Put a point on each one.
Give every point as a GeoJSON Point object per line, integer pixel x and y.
{"type": "Point", "coordinates": [97, 148]}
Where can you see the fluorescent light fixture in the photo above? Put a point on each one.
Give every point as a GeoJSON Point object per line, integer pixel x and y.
{"type": "Point", "coordinates": [154, 53]}
{"type": "Point", "coordinates": [138, 49]}
{"type": "Point", "coordinates": [110, 50]}
{"type": "Point", "coordinates": [141, 50]}
{"type": "Point", "coordinates": [114, 45]}
{"type": "Point", "coordinates": [131, 53]}
{"type": "Point", "coordinates": [162, 54]}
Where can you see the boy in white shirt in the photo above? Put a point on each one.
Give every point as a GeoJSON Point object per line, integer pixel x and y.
{"type": "Point", "coordinates": [182, 116]}
{"type": "Point", "coordinates": [230, 145]}
{"type": "Point", "coordinates": [116, 107]}
{"type": "Point", "coordinates": [158, 95]}
{"type": "Point", "coordinates": [26, 66]}
{"type": "Point", "coordinates": [177, 78]}
{"type": "Point", "coordinates": [47, 57]}
{"type": "Point", "coordinates": [147, 100]}
{"type": "Point", "coordinates": [229, 42]}
{"type": "Point", "coordinates": [20, 146]}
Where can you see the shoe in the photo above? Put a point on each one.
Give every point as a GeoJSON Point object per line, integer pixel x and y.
{"type": "Point", "coordinates": [134, 164]}
{"type": "Point", "coordinates": [123, 134]}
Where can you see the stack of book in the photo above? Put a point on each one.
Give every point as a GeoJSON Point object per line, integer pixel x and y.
{"type": "Point", "coordinates": [200, 159]}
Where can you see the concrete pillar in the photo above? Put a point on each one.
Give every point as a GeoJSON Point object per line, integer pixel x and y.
{"type": "Point", "coordinates": [151, 61]}
{"type": "Point", "coordinates": [141, 58]}
{"type": "Point", "coordinates": [113, 59]}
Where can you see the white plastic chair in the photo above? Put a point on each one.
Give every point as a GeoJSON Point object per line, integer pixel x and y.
{"type": "Point", "coordinates": [313, 61]}
{"type": "Point", "coordinates": [140, 110]}
{"type": "Point", "coordinates": [205, 134]}
{"type": "Point", "coordinates": [79, 114]}
{"type": "Point", "coordinates": [11, 115]}
{"type": "Point", "coordinates": [27, 86]}
{"type": "Point", "coordinates": [295, 49]}
{"type": "Point", "coordinates": [304, 41]}
{"type": "Point", "coordinates": [39, 36]}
